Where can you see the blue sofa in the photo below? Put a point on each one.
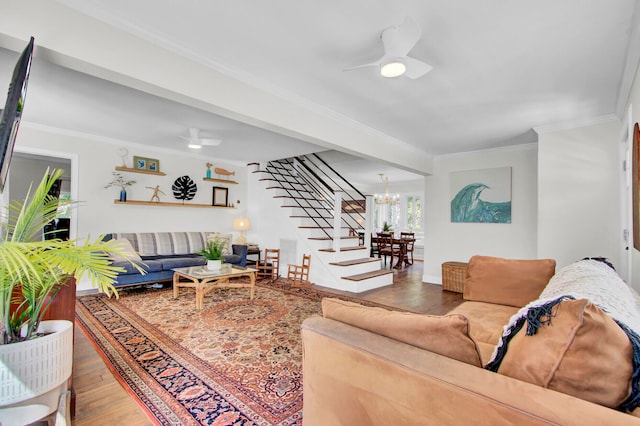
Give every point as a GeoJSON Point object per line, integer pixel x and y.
{"type": "Point", "coordinates": [161, 252]}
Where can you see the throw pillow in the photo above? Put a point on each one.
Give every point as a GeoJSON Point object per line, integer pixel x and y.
{"type": "Point", "coordinates": [126, 246]}
{"type": "Point", "coordinates": [445, 335]}
{"type": "Point", "coordinates": [571, 346]}
{"type": "Point", "coordinates": [508, 282]}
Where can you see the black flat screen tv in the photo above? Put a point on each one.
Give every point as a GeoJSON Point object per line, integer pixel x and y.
{"type": "Point", "coordinates": [12, 112]}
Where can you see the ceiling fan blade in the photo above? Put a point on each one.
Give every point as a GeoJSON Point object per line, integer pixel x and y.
{"type": "Point", "coordinates": [371, 64]}
{"type": "Point", "coordinates": [398, 40]}
{"type": "Point", "coordinates": [210, 142]}
{"type": "Point", "coordinates": [416, 68]}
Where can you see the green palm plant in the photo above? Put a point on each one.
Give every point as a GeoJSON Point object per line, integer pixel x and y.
{"type": "Point", "coordinates": [32, 272]}
{"type": "Point", "coordinates": [213, 250]}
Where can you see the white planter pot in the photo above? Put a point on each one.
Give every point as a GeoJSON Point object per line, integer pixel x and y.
{"type": "Point", "coordinates": [214, 265]}
{"type": "Point", "coordinates": [31, 368]}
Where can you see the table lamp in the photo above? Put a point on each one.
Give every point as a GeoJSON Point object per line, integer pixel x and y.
{"type": "Point", "coordinates": [241, 224]}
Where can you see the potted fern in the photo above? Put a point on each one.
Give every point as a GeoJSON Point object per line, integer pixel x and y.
{"type": "Point", "coordinates": [31, 273]}
{"type": "Point", "coordinates": [212, 251]}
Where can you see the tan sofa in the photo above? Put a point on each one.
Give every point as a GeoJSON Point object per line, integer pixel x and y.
{"type": "Point", "coordinates": [369, 366]}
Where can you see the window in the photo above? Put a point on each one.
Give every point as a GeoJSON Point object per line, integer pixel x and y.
{"type": "Point", "coordinates": [414, 213]}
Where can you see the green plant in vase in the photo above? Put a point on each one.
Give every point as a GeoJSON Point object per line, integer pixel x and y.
{"type": "Point", "coordinates": [212, 251]}
{"type": "Point", "coordinates": [120, 181]}
{"type": "Point", "coordinates": [32, 272]}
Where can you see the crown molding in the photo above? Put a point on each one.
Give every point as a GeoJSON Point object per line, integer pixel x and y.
{"type": "Point", "coordinates": [568, 125]}
{"type": "Point", "coordinates": [510, 148]}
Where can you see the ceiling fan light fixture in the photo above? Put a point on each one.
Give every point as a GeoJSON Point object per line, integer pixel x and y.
{"type": "Point", "coordinates": [194, 146]}
{"type": "Point", "coordinates": [392, 69]}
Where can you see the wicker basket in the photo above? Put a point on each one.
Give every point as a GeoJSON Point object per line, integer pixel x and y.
{"type": "Point", "coordinates": [453, 274]}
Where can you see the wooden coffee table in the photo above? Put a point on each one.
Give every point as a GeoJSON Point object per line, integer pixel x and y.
{"type": "Point", "coordinates": [203, 280]}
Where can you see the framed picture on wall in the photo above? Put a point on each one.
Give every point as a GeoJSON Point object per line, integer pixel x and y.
{"type": "Point", "coordinates": [139, 163]}
{"type": "Point", "coordinates": [481, 196]}
{"type": "Point", "coordinates": [220, 196]}
{"type": "Point", "coordinates": [143, 163]}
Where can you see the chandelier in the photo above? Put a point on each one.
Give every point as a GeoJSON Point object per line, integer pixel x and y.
{"type": "Point", "coordinates": [386, 198]}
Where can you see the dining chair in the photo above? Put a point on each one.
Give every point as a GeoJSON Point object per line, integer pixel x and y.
{"type": "Point", "coordinates": [387, 248]}
{"type": "Point", "coordinates": [269, 267]}
{"type": "Point", "coordinates": [410, 240]}
{"type": "Point", "coordinates": [298, 275]}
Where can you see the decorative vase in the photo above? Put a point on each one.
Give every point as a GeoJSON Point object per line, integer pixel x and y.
{"type": "Point", "coordinates": [123, 196]}
{"type": "Point", "coordinates": [214, 265]}
{"type": "Point", "coordinates": [34, 367]}
{"type": "Point", "coordinates": [208, 174]}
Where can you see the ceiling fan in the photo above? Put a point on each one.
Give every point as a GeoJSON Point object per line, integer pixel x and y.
{"type": "Point", "coordinates": [398, 40]}
{"type": "Point", "coordinates": [196, 142]}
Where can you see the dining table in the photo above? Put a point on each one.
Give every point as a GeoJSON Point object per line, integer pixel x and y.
{"type": "Point", "coordinates": [401, 245]}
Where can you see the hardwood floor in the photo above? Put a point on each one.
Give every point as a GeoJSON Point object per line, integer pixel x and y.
{"type": "Point", "coordinates": [101, 400]}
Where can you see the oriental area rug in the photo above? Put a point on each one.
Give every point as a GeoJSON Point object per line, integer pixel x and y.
{"type": "Point", "coordinates": [235, 362]}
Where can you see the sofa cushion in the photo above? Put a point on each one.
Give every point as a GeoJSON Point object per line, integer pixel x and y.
{"type": "Point", "coordinates": [486, 320]}
{"type": "Point", "coordinates": [445, 335]}
{"type": "Point", "coordinates": [147, 265]}
{"type": "Point", "coordinates": [126, 246]}
{"type": "Point", "coordinates": [165, 243]}
{"type": "Point", "coordinates": [506, 281]}
{"type": "Point", "coordinates": [577, 349]}
{"type": "Point", "coordinates": [181, 262]}
{"type": "Point", "coordinates": [226, 238]}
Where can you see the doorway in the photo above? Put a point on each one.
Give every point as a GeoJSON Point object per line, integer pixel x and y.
{"type": "Point", "coordinates": [27, 168]}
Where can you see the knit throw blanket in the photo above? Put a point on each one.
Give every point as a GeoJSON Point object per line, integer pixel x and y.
{"type": "Point", "coordinates": [596, 282]}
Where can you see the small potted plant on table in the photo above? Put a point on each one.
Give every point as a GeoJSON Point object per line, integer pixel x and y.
{"type": "Point", "coordinates": [213, 252]}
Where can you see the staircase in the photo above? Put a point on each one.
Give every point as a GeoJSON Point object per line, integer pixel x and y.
{"type": "Point", "coordinates": [329, 213]}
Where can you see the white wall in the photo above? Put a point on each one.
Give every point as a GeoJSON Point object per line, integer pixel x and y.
{"type": "Point", "coordinates": [578, 188]}
{"type": "Point", "coordinates": [97, 213]}
{"type": "Point", "coordinates": [446, 241]}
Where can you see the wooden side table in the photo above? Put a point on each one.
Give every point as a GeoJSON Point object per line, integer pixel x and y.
{"type": "Point", "coordinates": [254, 251]}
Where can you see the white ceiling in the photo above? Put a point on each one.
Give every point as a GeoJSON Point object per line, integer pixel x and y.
{"type": "Point", "coordinates": [500, 68]}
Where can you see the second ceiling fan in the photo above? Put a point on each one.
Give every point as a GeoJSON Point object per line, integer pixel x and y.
{"type": "Point", "coordinates": [197, 142]}
{"type": "Point", "coordinates": [398, 40]}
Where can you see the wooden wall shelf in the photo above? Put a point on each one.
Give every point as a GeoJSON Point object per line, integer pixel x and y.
{"type": "Point", "coordinates": [167, 204]}
{"type": "Point", "coordinates": [220, 180]}
{"type": "Point", "coordinates": [146, 172]}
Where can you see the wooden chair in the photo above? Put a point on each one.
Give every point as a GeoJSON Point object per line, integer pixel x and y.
{"type": "Point", "coordinates": [269, 267]}
{"type": "Point", "coordinates": [386, 248]}
{"type": "Point", "coordinates": [298, 275]}
{"type": "Point", "coordinates": [410, 241]}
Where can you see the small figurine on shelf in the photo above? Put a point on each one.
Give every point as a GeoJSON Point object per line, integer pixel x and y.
{"type": "Point", "coordinates": [155, 195]}
{"type": "Point", "coordinates": [123, 152]}
{"type": "Point", "coordinates": [209, 170]}
{"type": "Point", "coordinates": [224, 172]}
{"type": "Point", "coordinates": [119, 180]}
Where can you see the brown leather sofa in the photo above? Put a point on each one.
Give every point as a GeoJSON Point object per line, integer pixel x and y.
{"type": "Point", "coordinates": [370, 366]}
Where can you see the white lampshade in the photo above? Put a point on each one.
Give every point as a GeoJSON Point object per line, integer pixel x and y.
{"type": "Point", "coordinates": [241, 224]}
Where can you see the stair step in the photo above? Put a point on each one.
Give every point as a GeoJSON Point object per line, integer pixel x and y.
{"type": "Point", "coordinates": [355, 261]}
{"type": "Point", "coordinates": [343, 249]}
{"type": "Point", "coordinates": [290, 189]}
{"type": "Point", "coordinates": [296, 198]}
{"type": "Point", "coordinates": [321, 227]}
{"type": "Point", "coordinates": [329, 238]}
{"type": "Point", "coordinates": [310, 217]}
{"type": "Point", "coordinates": [309, 207]}
{"type": "Point", "coordinates": [367, 275]}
